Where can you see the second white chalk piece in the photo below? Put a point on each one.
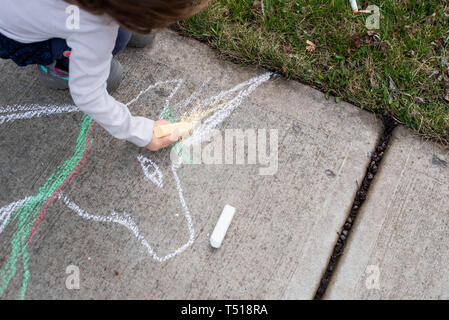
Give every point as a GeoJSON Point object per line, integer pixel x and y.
{"type": "Point", "coordinates": [216, 239]}
{"type": "Point", "coordinates": [354, 7]}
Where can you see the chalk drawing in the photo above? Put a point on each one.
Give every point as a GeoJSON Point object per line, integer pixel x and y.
{"type": "Point", "coordinates": [29, 212]}
{"type": "Point", "coordinates": [191, 98]}
{"type": "Point", "coordinates": [5, 212]}
{"type": "Point", "coordinates": [151, 170]}
{"type": "Point", "coordinates": [218, 117]}
{"type": "Point", "coordinates": [17, 112]}
{"type": "Point", "coordinates": [127, 221]}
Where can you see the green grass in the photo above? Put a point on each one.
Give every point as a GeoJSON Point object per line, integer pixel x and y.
{"type": "Point", "coordinates": [402, 70]}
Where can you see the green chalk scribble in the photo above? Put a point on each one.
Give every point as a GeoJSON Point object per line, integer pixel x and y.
{"type": "Point", "coordinates": [168, 115]}
{"type": "Point", "coordinates": [25, 215]}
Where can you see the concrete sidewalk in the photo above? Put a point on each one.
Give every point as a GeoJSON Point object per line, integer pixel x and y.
{"type": "Point", "coordinates": [400, 249]}
{"type": "Point", "coordinates": [137, 226]}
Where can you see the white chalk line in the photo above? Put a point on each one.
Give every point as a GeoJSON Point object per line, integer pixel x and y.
{"type": "Point", "coordinates": [156, 175]}
{"type": "Point", "coordinates": [152, 86]}
{"type": "Point", "coordinates": [190, 99]}
{"type": "Point", "coordinates": [127, 221]}
{"type": "Point", "coordinates": [241, 85]}
{"type": "Point", "coordinates": [33, 111]}
{"type": "Point", "coordinates": [20, 108]}
{"type": "Point", "coordinates": [168, 100]}
{"type": "Point", "coordinates": [22, 112]}
{"type": "Point", "coordinates": [218, 117]}
{"type": "Point", "coordinates": [6, 211]}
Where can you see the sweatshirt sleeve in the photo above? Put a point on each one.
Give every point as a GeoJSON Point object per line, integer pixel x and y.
{"type": "Point", "coordinates": [90, 63]}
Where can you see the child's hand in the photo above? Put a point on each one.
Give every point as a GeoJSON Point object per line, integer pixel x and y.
{"type": "Point", "coordinates": [159, 143]}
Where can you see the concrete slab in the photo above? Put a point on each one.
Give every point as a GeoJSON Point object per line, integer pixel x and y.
{"type": "Point", "coordinates": [135, 225]}
{"type": "Point", "coordinates": [400, 248]}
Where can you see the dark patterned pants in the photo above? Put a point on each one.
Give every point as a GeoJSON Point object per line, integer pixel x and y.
{"type": "Point", "coordinates": [45, 52]}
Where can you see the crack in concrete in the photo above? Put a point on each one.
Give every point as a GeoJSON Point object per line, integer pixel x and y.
{"type": "Point", "coordinates": [376, 158]}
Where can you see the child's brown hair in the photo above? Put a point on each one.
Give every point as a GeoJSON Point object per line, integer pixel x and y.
{"type": "Point", "coordinates": [141, 16]}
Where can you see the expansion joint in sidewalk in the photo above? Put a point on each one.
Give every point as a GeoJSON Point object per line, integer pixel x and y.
{"type": "Point", "coordinates": [345, 231]}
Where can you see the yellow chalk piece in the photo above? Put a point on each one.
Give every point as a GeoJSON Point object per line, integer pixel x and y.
{"type": "Point", "coordinates": [185, 129]}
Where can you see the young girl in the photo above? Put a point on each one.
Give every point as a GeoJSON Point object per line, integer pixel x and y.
{"type": "Point", "coordinates": [73, 43]}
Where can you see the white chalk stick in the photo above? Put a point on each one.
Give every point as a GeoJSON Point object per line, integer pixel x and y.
{"type": "Point", "coordinates": [216, 239]}
{"type": "Point", "coordinates": [354, 7]}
